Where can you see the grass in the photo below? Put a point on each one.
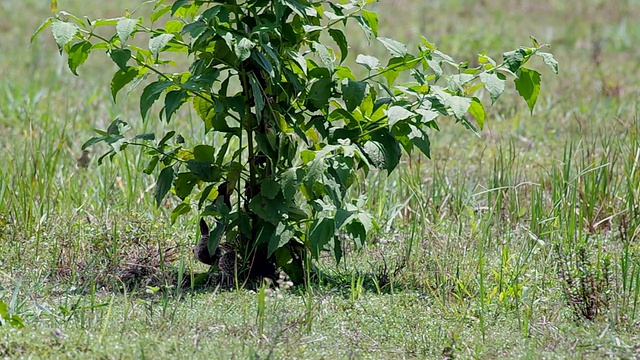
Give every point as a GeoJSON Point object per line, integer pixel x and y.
{"type": "Point", "coordinates": [518, 244]}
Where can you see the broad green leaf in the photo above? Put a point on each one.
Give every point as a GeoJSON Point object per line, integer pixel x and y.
{"type": "Point", "coordinates": [549, 60]}
{"type": "Point", "coordinates": [514, 59]}
{"type": "Point", "coordinates": [368, 61]}
{"type": "Point", "coordinates": [322, 231]}
{"type": "Point", "coordinates": [398, 113]}
{"type": "Point", "coordinates": [63, 33]}
{"type": "Point", "coordinates": [396, 48]}
{"type": "Point", "coordinates": [477, 111]}
{"type": "Point", "coordinates": [120, 57]}
{"type": "Point", "coordinates": [173, 26]}
{"type": "Point", "coordinates": [157, 43]}
{"type": "Point", "coordinates": [383, 150]}
{"type": "Point", "coordinates": [122, 78]}
{"type": "Point", "coordinates": [257, 96]}
{"type": "Point", "coordinates": [78, 53]}
{"type": "Point", "coordinates": [299, 60]}
{"type": "Point", "coordinates": [42, 27]}
{"type": "Point", "coordinates": [125, 27]}
{"type": "Point", "coordinates": [459, 105]}
{"type": "Point", "coordinates": [528, 86]}
{"type": "Point", "coordinates": [152, 165]}
{"type": "Point", "coordinates": [420, 139]}
{"type": "Point", "coordinates": [150, 94]}
{"type": "Point", "coordinates": [270, 188]}
{"type": "Point", "coordinates": [146, 136]}
{"type": "Point", "coordinates": [319, 94]}
{"type": "Point", "coordinates": [353, 92]}
{"type": "Point", "coordinates": [343, 72]}
{"type": "Point", "coordinates": [172, 102]}
{"type": "Point", "coordinates": [366, 28]}
{"type": "Point", "coordinates": [215, 236]}
{"type": "Point", "coordinates": [372, 20]}
{"type": "Point", "coordinates": [341, 40]}
{"type": "Point", "coordinates": [281, 237]}
{"type": "Point", "coordinates": [204, 153]}
{"type": "Point", "coordinates": [117, 127]}
{"type": "Point", "coordinates": [243, 49]}
{"type": "Point", "coordinates": [184, 184]}
{"type": "Point", "coordinates": [163, 184]}
{"type": "Point", "coordinates": [271, 210]}
{"type": "Point", "coordinates": [181, 209]}
{"type": "Point", "coordinates": [263, 62]}
{"type": "Point", "coordinates": [94, 140]}
{"type": "Point", "coordinates": [204, 170]}
{"type": "Point", "coordinates": [325, 55]}
{"type": "Point", "coordinates": [158, 13]}
{"type": "Point", "coordinates": [494, 83]}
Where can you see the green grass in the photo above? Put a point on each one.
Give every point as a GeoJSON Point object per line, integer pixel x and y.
{"type": "Point", "coordinates": [520, 244]}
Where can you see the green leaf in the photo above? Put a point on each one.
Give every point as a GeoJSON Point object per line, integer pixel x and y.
{"type": "Point", "coordinates": [42, 27]}
{"type": "Point", "coordinates": [322, 231]}
{"type": "Point", "coordinates": [163, 184]}
{"type": "Point", "coordinates": [172, 102]}
{"type": "Point", "coordinates": [243, 49]}
{"type": "Point", "coordinates": [150, 94]}
{"type": "Point", "coordinates": [383, 150]}
{"type": "Point", "coordinates": [257, 96]}
{"type": "Point", "coordinates": [528, 86]}
{"type": "Point", "coordinates": [158, 13]}
{"type": "Point", "coordinates": [271, 210]}
{"type": "Point", "coordinates": [184, 184]}
{"type": "Point", "coordinates": [181, 209]}
{"type": "Point", "coordinates": [125, 27]}
{"type": "Point", "coordinates": [372, 20]}
{"type": "Point", "coordinates": [396, 48]}
{"type": "Point", "coordinates": [325, 56]}
{"type": "Point", "coordinates": [514, 59]}
{"type": "Point", "coordinates": [398, 113]}
{"type": "Point", "coordinates": [281, 237]}
{"type": "Point", "coordinates": [420, 139]}
{"type": "Point", "coordinates": [146, 136]}
{"type": "Point", "coordinates": [370, 62]}
{"type": "Point", "coordinates": [319, 94]}
{"type": "Point", "coordinates": [173, 26]}
{"type": "Point", "coordinates": [215, 236]}
{"type": "Point", "coordinates": [63, 33]}
{"type": "Point", "coordinates": [78, 53]}
{"type": "Point", "coordinates": [459, 105]}
{"type": "Point", "coordinates": [364, 25]}
{"type": "Point", "coordinates": [477, 111]}
{"type": "Point", "coordinates": [549, 60]}
{"type": "Point", "coordinates": [204, 170]}
{"type": "Point", "coordinates": [120, 57]}
{"type": "Point", "coordinates": [157, 43]}
{"type": "Point", "coordinates": [353, 92]}
{"type": "Point", "coordinates": [204, 153]}
{"type": "Point", "coordinates": [341, 40]}
{"type": "Point", "coordinates": [263, 62]}
{"type": "Point", "coordinates": [122, 78]}
{"type": "Point", "coordinates": [494, 83]}
{"type": "Point", "coordinates": [152, 165]}
{"type": "Point", "coordinates": [270, 188]}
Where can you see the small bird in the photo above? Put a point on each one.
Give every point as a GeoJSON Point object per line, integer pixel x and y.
{"type": "Point", "coordinates": [201, 250]}
{"type": "Point", "coordinates": [228, 263]}
{"type": "Point", "coordinates": [84, 159]}
{"type": "Point", "coordinates": [225, 255]}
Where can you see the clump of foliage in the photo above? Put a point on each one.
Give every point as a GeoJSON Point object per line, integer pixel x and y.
{"type": "Point", "coordinates": [289, 124]}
